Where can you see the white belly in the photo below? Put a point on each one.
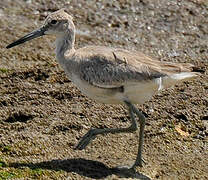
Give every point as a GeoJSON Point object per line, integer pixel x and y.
{"type": "Point", "coordinates": [137, 92]}
{"type": "Point", "coordinates": [140, 92]}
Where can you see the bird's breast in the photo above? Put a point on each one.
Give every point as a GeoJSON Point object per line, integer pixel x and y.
{"type": "Point", "coordinates": [136, 92]}
{"type": "Point", "coordinates": [102, 95]}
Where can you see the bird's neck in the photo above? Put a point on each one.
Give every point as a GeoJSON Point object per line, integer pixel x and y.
{"type": "Point", "coordinates": [64, 46]}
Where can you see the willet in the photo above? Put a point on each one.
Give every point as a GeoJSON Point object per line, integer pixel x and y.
{"type": "Point", "coordinates": [110, 75]}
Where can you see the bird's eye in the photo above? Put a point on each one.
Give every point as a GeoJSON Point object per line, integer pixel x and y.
{"type": "Point", "coordinates": [54, 22]}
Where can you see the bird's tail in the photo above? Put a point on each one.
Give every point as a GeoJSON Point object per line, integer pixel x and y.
{"type": "Point", "coordinates": [184, 76]}
{"type": "Point", "coordinates": [188, 72]}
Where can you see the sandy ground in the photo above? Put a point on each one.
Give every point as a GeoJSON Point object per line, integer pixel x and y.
{"type": "Point", "coordinates": [43, 115]}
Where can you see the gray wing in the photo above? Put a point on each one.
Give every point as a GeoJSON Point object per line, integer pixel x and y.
{"type": "Point", "coordinates": [114, 69]}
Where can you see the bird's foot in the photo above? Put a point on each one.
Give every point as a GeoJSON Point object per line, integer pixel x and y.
{"type": "Point", "coordinates": [90, 135]}
{"type": "Point", "coordinates": [129, 172]}
{"type": "Point", "coordinates": [139, 163]}
{"type": "Point", "coordinates": [125, 171]}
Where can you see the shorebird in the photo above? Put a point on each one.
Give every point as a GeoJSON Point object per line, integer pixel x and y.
{"type": "Point", "coordinates": [110, 75]}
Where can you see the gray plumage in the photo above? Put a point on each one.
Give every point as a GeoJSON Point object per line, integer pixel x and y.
{"type": "Point", "coordinates": [110, 75]}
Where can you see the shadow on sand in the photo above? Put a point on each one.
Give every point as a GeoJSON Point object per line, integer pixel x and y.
{"type": "Point", "coordinates": [83, 167]}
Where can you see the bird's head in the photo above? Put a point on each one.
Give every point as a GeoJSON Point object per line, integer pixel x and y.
{"type": "Point", "coordinates": [57, 23]}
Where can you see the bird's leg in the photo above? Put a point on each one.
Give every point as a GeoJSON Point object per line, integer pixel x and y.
{"type": "Point", "coordinates": [91, 134]}
{"type": "Point", "coordinates": [138, 161]}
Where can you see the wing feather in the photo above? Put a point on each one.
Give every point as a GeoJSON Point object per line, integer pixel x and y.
{"type": "Point", "coordinates": [110, 68]}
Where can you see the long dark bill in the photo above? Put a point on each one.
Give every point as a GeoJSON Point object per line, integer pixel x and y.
{"type": "Point", "coordinates": [32, 35]}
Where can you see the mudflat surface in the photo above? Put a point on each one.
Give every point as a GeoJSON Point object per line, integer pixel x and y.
{"type": "Point", "coordinates": [43, 115]}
